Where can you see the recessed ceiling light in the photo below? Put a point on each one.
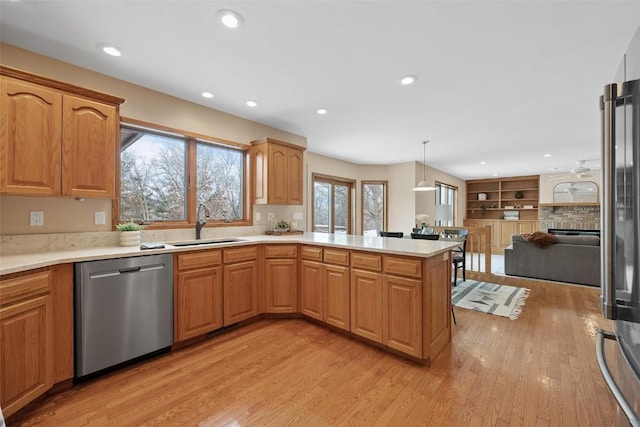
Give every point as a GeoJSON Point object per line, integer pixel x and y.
{"type": "Point", "coordinates": [321, 111]}
{"type": "Point", "coordinates": [483, 162]}
{"type": "Point", "coordinates": [408, 80]}
{"type": "Point", "coordinates": [207, 95]}
{"type": "Point", "coordinates": [251, 104]}
{"type": "Point", "coordinates": [495, 174]}
{"type": "Point", "coordinates": [230, 18]}
{"type": "Point", "coordinates": [547, 155]}
{"type": "Point", "coordinates": [110, 49]}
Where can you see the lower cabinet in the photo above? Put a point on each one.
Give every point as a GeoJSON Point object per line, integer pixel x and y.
{"type": "Point", "coordinates": [366, 304]}
{"type": "Point", "coordinates": [402, 314]}
{"type": "Point", "coordinates": [198, 293]}
{"type": "Point", "coordinates": [281, 279]}
{"type": "Point", "coordinates": [240, 291]}
{"type": "Point", "coordinates": [27, 366]}
{"type": "Point", "coordinates": [336, 296]}
{"type": "Point", "coordinates": [324, 293]}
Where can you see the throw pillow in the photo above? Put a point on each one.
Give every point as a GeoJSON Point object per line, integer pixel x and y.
{"type": "Point", "coordinates": [540, 238]}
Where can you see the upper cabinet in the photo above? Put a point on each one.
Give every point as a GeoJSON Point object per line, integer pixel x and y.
{"type": "Point", "coordinates": [56, 139]}
{"type": "Point", "coordinates": [514, 198]}
{"type": "Point", "coordinates": [276, 172]}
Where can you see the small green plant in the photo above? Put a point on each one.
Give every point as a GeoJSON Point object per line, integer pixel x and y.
{"type": "Point", "coordinates": [129, 226]}
{"type": "Point", "coordinates": [483, 208]}
{"type": "Point", "coordinates": [519, 194]}
{"type": "Point", "coordinates": [282, 225]}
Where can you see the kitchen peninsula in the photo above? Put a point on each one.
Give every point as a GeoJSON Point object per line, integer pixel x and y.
{"type": "Point", "coordinates": [394, 294]}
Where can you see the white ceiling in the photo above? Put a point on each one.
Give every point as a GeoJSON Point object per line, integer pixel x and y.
{"type": "Point", "coordinates": [503, 82]}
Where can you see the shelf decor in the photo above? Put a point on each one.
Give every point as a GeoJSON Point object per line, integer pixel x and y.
{"type": "Point", "coordinates": [509, 193]}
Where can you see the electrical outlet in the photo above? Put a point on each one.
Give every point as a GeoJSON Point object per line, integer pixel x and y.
{"type": "Point", "coordinates": [100, 218]}
{"type": "Point", "coordinates": [271, 216]}
{"type": "Point", "coordinates": [257, 216]}
{"type": "Point", "coordinates": [36, 218]}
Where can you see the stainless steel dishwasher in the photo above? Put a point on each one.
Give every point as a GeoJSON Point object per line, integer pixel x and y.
{"type": "Point", "coordinates": [123, 310]}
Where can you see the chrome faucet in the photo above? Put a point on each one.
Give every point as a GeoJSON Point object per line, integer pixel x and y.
{"type": "Point", "coordinates": [200, 224]}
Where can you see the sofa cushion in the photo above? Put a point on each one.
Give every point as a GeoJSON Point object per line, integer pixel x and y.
{"type": "Point", "coordinates": [579, 240]}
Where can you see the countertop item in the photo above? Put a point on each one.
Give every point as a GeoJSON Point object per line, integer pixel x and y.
{"type": "Point", "coordinates": [420, 248]}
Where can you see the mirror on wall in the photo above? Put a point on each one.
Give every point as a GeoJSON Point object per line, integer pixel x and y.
{"type": "Point", "coordinates": [576, 192]}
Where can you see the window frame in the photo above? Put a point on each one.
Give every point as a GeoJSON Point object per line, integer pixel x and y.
{"type": "Point", "coordinates": [191, 140]}
{"type": "Point", "coordinates": [333, 180]}
{"type": "Point", "coordinates": [439, 186]}
{"type": "Point", "coordinates": [385, 201]}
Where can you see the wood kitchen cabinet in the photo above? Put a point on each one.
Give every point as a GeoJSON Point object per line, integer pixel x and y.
{"type": "Point", "coordinates": [27, 366]}
{"type": "Point", "coordinates": [56, 139]}
{"type": "Point", "coordinates": [325, 286]}
{"type": "Point", "coordinates": [402, 314]}
{"type": "Point", "coordinates": [198, 294]}
{"type": "Point", "coordinates": [366, 304]}
{"type": "Point", "coordinates": [436, 303]}
{"type": "Point", "coordinates": [240, 284]}
{"type": "Point", "coordinates": [281, 278]}
{"type": "Point", "coordinates": [276, 171]}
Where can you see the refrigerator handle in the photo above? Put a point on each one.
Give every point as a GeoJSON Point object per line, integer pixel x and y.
{"type": "Point", "coordinates": [607, 221]}
{"type": "Point", "coordinates": [606, 373]}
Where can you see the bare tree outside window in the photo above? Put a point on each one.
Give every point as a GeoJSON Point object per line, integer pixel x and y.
{"type": "Point", "coordinates": [331, 205]}
{"type": "Point", "coordinates": [156, 171]}
{"type": "Point", "coordinates": [374, 206]}
{"type": "Point", "coordinates": [152, 177]}
{"type": "Point", "coordinates": [219, 188]}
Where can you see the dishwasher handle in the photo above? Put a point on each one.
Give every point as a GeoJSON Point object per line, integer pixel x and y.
{"type": "Point", "coordinates": [129, 270]}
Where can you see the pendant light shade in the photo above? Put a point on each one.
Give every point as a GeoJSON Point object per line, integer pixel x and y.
{"type": "Point", "coordinates": [424, 185]}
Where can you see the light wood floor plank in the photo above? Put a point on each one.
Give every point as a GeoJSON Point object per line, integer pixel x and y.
{"type": "Point", "coordinates": [537, 370]}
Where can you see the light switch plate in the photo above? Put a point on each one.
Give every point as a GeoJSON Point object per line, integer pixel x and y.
{"type": "Point", "coordinates": [100, 218]}
{"type": "Point", "coordinates": [257, 216]}
{"type": "Point", "coordinates": [271, 216]}
{"type": "Point", "coordinates": [36, 218]}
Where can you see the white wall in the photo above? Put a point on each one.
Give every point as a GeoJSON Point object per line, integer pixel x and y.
{"type": "Point", "coordinates": [547, 184]}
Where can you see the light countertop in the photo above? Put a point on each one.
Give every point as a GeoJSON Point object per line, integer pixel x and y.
{"type": "Point", "coordinates": [408, 247]}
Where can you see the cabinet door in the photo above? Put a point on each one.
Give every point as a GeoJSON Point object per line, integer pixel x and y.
{"type": "Point", "coordinates": [240, 291]}
{"type": "Point", "coordinates": [311, 289]}
{"type": "Point", "coordinates": [366, 304]}
{"type": "Point", "coordinates": [507, 229]}
{"type": "Point", "coordinates": [281, 285]}
{"type": "Point", "coordinates": [294, 178]}
{"type": "Point", "coordinates": [88, 148]}
{"type": "Point", "coordinates": [403, 314]}
{"type": "Point", "coordinates": [336, 296]}
{"type": "Point", "coordinates": [260, 173]}
{"type": "Point", "coordinates": [278, 175]}
{"type": "Point", "coordinates": [30, 139]}
{"type": "Point", "coordinates": [527, 227]}
{"type": "Point", "coordinates": [198, 302]}
{"type": "Point", "coordinates": [26, 352]}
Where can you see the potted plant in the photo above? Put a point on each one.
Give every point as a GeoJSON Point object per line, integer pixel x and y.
{"type": "Point", "coordinates": [129, 233]}
{"type": "Point", "coordinates": [282, 226]}
{"type": "Point", "coordinates": [519, 194]}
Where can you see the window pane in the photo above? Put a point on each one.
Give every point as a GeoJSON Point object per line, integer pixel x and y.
{"type": "Point", "coordinates": [152, 177]}
{"type": "Point", "coordinates": [321, 206]}
{"type": "Point", "coordinates": [373, 207]}
{"type": "Point", "coordinates": [341, 209]}
{"type": "Point", "coordinates": [219, 173]}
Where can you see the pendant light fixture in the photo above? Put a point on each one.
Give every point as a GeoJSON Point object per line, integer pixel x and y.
{"type": "Point", "coordinates": [424, 185]}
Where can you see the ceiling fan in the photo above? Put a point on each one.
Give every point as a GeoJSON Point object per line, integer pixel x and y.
{"type": "Point", "coordinates": [581, 171]}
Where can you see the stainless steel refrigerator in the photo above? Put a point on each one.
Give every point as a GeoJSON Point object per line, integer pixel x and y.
{"type": "Point", "coordinates": [620, 227]}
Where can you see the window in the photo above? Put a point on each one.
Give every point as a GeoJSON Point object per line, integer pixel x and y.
{"type": "Point", "coordinates": [446, 204]}
{"type": "Point", "coordinates": [155, 176]}
{"type": "Point", "coordinates": [374, 206]}
{"type": "Point", "coordinates": [332, 205]}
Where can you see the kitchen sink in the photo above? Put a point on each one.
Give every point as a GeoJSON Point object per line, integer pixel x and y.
{"type": "Point", "coordinates": [205, 242]}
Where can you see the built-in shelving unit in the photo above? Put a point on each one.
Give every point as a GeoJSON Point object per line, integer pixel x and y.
{"type": "Point", "coordinates": [490, 198]}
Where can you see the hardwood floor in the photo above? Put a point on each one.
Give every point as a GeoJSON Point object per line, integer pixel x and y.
{"type": "Point", "coordinates": [537, 370]}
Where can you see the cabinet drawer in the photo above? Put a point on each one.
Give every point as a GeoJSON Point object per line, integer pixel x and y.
{"type": "Point", "coordinates": [240, 254]}
{"type": "Point", "coordinates": [14, 288]}
{"type": "Point", "coordinates": [366, 261]}
{"type": "Point", "coordinates": [403, 266]}
{"type": "Point", "coordinates": [311, 252]}
{"type": "Point", "coordinates": [281, 251]}
{"type": "Point", "coordinates": [199, 259]}
{"type": "Point", "coordinates": [336, 256]}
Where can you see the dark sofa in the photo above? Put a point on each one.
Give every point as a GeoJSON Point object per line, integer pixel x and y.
{"type": "Point", "coordinates": [573, 259]}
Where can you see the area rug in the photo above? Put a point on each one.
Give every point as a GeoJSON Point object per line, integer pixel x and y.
{"type": "Point", "coordinates": [501, 300]}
